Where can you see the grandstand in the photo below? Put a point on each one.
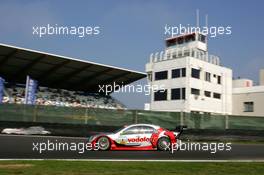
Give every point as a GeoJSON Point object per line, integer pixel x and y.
{"type": "Point", "coordinates": [63, 81]}
{"type": "Point", "coordinates": [62, 97]}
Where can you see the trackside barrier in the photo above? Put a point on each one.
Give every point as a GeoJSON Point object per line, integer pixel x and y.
{"type": "Point", "coordinates": [110, 117]}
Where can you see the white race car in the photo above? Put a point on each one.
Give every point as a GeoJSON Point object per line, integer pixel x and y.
{"type": "Point", "coordinates": [26, 131]}
{"type": "Point", "coordinates": [137, 137]}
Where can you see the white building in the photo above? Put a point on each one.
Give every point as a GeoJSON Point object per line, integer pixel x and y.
{"type": "Point", "coordinates": [193, 80]}
{"type": "Point", "coordinates": [247, 99]}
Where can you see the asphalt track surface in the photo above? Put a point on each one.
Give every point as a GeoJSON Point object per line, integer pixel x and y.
{"type": "Point", "coordinates": [21, 147]}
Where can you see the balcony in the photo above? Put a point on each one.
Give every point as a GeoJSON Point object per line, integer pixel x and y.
{"type": "Point", "coordinates": [181, 53]}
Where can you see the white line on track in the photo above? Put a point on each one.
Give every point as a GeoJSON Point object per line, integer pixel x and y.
{"type": "Point", "coordinates": [139, 160]}
{"type": "Point", "coordinates": [42, 136]}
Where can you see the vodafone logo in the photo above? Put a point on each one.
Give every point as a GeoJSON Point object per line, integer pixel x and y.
{"type": "Point", "coordinates": [138, 139]}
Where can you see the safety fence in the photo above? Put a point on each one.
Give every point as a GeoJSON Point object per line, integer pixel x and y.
{"type": "Point", "coordinates": [107, 117]}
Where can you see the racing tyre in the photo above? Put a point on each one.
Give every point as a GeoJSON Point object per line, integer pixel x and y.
{"type": "Point", "coordinates": [104, 143]}
{"type": "Point", "coordinates": [164, 144]}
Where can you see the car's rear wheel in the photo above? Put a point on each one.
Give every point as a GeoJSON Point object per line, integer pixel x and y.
{"type": "Point", "coordinates": [104, 143]}
{"type": "Point", "coordinates": [164, 144]}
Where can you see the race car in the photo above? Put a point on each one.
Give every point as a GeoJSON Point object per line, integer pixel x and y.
{"type": "Point", "coordinates": [138, 137]}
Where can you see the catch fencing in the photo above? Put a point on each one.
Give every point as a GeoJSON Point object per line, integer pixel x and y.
{"type": "Point", "coordinates": [110, 117]}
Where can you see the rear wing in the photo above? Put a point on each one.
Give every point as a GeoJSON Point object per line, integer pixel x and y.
{"type": "Point", "coordinates": [180, 129]}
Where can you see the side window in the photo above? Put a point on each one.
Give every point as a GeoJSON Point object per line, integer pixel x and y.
{"type": "Point", "coordinates": [132, 130]}
{"type": "Point", "coordinates": [147, 130]}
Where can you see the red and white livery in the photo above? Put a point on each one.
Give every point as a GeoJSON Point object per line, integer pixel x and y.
{"type": "Point", "coordinates": [138, 137]}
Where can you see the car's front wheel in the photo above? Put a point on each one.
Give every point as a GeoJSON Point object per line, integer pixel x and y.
{"type": "Point", "coordinates": [104, 143]}
{"type": "Point", "coordinates": [164, 144]}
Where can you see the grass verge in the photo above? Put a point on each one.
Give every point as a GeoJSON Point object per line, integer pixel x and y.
{"type": "Point", "coordinates": [53, 167]}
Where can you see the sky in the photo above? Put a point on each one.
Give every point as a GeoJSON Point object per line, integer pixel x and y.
{"type": "Point", "coordinates": [131, 30]}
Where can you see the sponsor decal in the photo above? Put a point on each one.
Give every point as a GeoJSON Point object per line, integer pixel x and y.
{"type": "Point", "coordinates": [122, 140]}
{"type": "Point", "coordinates": [138, 139]}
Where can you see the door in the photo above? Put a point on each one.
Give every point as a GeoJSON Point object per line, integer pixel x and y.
{"type": "Point", "coordinates": [136, 136]}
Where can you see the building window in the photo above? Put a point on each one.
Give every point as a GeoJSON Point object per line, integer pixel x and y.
{"type": "Point", "coordinates": [183, 93]}
{"type": "Point", "coordinates": [180, 54]}
{"type": "Point", "coordinates": [186, 53]}
{"type": "Point", "coordinates": [160, 95]}
{"type": "Point", "coordinates": [249, 106]}
{"type": "Point", "coordinates": [183, 72]}
{"type": "Point", "coordinates": [195, 91]}
{"type": "Point", "coordinates": [180, 40]}
{"type": "Point", "coordinates": [202, 38]}
{"type": "Point", "coordinates": [218, 79]}
{"type": "Point", "coordinates": [174, 55]}
{"type": "Point", "coordinates": [178, 93]}
{"type": "Point", "coordinates": [176, 73]}
{"type": "Point", "coordinates": [195, 73]}
{"type": "Point", "coordinates": [217, 95]}
{"type": "Point", "coordinates": [150, 76]}
{"type": "Point", "coordinates": [190, 38]}
{"type": "Point", "coordinates": [207, 76]}
{"type": "Point", "coordinates": [161, 75]}
{"type": "Point", "coordinates": [170, 43]}
{"type": "Point", "coordinates": [207, 93]}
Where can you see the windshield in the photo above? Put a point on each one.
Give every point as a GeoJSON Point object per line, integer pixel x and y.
{"type": "Point", "coordinates": [118, 130]}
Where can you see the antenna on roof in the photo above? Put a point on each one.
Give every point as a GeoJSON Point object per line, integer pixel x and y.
{"type": "Point", "coordinates": [206, 20]}
{"type": "Point", "coordinates": [197, 18]}
{"type": "Point", "coordinates": [206, 25]}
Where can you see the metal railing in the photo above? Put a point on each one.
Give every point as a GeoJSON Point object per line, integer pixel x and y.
{"type": "Point", "coordinates": [183, 52]}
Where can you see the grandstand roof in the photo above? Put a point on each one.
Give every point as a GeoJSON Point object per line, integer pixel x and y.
{"type": "Point", "coordinates": [61, 72]}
